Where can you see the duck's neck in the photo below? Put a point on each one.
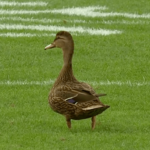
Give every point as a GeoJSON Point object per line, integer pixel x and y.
{"type": "Point", "coordinates": [66, 73]}
{"type": "Point", "coordinates": [67, 57]}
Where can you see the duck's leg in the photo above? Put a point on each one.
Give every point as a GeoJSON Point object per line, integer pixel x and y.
{"type": "Point", "coordinates": [68, 120]}
{"type": "Point", "coordinates": [93, 121]}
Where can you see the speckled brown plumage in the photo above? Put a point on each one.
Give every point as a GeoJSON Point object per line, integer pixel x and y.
{"type": "Point", "coordinates": [67, 89]}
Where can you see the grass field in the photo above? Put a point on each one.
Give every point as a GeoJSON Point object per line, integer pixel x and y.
{"type": "Point", "coordinates": [112, 53]}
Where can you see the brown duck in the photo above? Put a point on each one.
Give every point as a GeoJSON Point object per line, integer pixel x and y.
{"type": "Point", "coordinates": [69, 97]}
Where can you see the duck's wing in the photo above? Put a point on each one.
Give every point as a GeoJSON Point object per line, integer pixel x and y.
{"type": "Point", "coordinates": [79, 93]}
{"type": "Point", "coordinates": [85, 92]}
{"type": "Point", "coordinates": [84, 96]}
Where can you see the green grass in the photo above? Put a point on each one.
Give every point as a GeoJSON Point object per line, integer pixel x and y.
{"type": "Point", "coordinates": [26, 120]}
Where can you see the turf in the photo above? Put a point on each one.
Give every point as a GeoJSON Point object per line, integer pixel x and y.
{"type": "Point", "coordinates": [26, 120]}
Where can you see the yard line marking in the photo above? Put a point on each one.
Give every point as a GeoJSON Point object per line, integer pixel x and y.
{"type": "Point", "coordinates": [10, 34]}
{"type": "Point", "coordinates": [120, 83]}
{"type": "Point", "coordinates": [15, 12]}
{"type": "Point", "coordinates": [46, 20]}
{"type": "Point", "coordinates": [26, 82]}
{"type": "Point", "coordinates": [92, 12]}
{"type": "Point", "coordinates": [77, 29]}
{"type": "Point", "coordinates": [9, 3]}
{"type": "Point", "coordinates": [126, 22]}
{"type": "Point", "coordinates": [94, 83]}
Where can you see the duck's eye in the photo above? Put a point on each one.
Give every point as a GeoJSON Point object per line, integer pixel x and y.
{"type": "Point", "coordinates": [58, 38]}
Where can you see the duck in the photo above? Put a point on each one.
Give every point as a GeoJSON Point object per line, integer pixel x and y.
{"type": "Point", "coordinates": [73, 99]}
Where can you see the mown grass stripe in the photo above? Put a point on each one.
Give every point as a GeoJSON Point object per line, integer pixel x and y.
{"type": "Point", "coordinates": [50, 82]}
{"type": "Point", "coordinates": [78, 29]}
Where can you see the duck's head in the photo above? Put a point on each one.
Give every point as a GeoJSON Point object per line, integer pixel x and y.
{"type": "Point", "coordinates": [62, 40]}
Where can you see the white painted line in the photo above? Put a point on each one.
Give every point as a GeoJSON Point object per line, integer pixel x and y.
{"type": "Point", "coordinates": [121, 83]}
{"type": "Point", "coordinates": [83, 11]}
{"type": "Point", "coordinates": [12, 34]}
{"type": "Point", "coordinates": [26, 82]}
{"type": "Point", "coordinates": [44, 20]}
{"type": "Point", "coordinates": [16, 34]}
{"type": "Point", "coordinates": [20, 12]}
{"type": "Point", "coordinates": [92, 12]}
{"type": "Point", "coordinates": [94, 83]}
{"type": "Point", "coordinates": [14, 3]}
{"type": "Point", "coordinates": [77, 29]}
{"type": "Point", "coordinates": [128, 22]}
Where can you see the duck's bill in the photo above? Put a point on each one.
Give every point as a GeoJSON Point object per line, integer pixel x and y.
{"type": "Point", "coordinates": [50, 46]}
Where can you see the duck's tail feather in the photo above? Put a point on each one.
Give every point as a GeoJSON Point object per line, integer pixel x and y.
{"type": "Point", "coordinates": [94, 110]}
{"type": "Point", "coordinates": [99, 95]}
{"type": "Point", "coordinates": [96, 107]}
